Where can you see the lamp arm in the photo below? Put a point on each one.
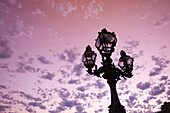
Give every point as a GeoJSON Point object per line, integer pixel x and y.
{"type": "Point", "coordinates": [95, 72]}
{"type": "Point", "coordinates": [124, 74]}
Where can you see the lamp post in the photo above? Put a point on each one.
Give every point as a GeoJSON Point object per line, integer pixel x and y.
{"type": "Point", "coordinates": [105, 43]}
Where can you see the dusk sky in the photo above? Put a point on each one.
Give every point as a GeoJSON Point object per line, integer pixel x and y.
{"type": "Point", "coordinates": [42, 42]}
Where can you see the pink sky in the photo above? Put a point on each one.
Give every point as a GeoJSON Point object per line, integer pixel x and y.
{"type": "Point", "coordinates": [41, 43]}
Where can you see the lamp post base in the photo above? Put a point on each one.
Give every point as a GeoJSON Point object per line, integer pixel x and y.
{"type": "Point", "coordinates": [117, 109]}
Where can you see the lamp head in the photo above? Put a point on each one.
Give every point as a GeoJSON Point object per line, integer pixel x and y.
{"type": "Point", "coordinates": [105, 42]}
{"type": "Point", "coordinates": [125, 62]}
{"type": "Point", "coordinates": [89, 58]}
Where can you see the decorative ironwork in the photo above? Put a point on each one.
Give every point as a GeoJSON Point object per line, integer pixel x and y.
{"type": "Point", "coordinates": [105, 43]}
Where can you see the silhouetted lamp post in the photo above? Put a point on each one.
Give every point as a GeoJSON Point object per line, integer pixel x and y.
{"type": "Point", "coordinates": [105, 43]}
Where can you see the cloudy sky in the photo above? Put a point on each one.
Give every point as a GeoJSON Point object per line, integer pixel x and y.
{"type": "Point", "coordinates": [42, 41]}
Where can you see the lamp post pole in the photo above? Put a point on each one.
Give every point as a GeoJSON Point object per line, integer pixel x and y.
{"type": "Point", "coordinates": [115, 106]}
{"type": "Point", "coordinates": [105, 43]}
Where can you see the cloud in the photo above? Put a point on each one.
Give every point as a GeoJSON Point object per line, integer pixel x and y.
{"type": "Point", "coordinates": [5, 49]}
{"type": "Point", "coordinates": [155, 71]}
{"type": "Point", "coordinates": [64, 73]}
{"type": "Point", "coordinates": [18, 29]}
{"type": "Point", "coordinates": [30, 110]}
{"type": "Point", "coordinates": [133, 43]}
{"type": "Point", "coordinates": [163, 47]}
{"type": "Point", "coordinates": [136, 55]}
{"type": "Point", "coordinates": [164, 78]}
{"type": "Point", "coordinates": [44, 60]}
{"type": "Point", "coordinates": [148, 99]}
{"type": "Point", "coordinates": [81, 88]}
{"type": "Point", "coordinates": [54, 36]}
{"type": "Point", "coordinates": [98, 111]}
{"type": "Point", "coordinates": [3, 87]}
{"type": "Point", "coordinates": [12, 1]}
{"type": "Point", "coordinates": [168, 92]}
{"type": "Point", "coordinates": [74, 81]}
{"type": "Point", "coordinates": [79, 109]}
{"type": "Point", "coordinates": [4, 66]}
{"type": "Point", "coordinates": [67, 8]}
{"type": "Point", "coordinates": [78, 69]}
{"type": "Point", "coordinates": [102, 94]}
{"type": "Point", "coordinates": [131, 100]}
{"type": "Point", "coordinates": [138, 67]}
{"type": "Point", "coordinates": [4, 9]}
{"type": "Point", "coordinates": [69, 55]}
{"type": "Point", "coordinates": [61, 81]}
{"type": "Point", "coordinates": [156, 90]}
{"type": "Point", "coordinates": [159, 102]}
{"type": "Point", "coordinates": [3, 107]}
{"type": "Point", "coordinates": [62, 57]}
{"type": "Point", "coordinates": [144, 15]}
{"type": "Point", "coordinates": [22, 67]}
{"type": "Point", "coordinates": [99, 84]}
{"type": "Point", "coordinates": [39, 12]}
{"type": "Point", "coordinates": [128, 49]}
{"type": "Point", "coordinates": [63, 93]}
{"type": "Point", "coordinates": [163, 21]}
{"type": "Point", "coordinates": [6, 96]}
{"type": "Point", "coordinates": [143, 86]}
{"type": "Point", "coordinates": [30, 68]}
{"type": "Point", "coordinates": [58, 110]}
{"type": "Point", "coordinates": [161, 63]}
{"type": "Point", "coordinates": [27, 96]}
{"type": "Point", "coordinates": [13, 27]}
{"type": "Point", "coordinates": [37, 104]}
{"type": "Point", "coordinates": [48, 76]}
{"type": "Point", "coordinates": [69, 103]}
{"type": "Point", "coordinates": [88, 9]}
{"type": "Point", "coordinates": [81, 95]}
{"type": "Point", "coordinates": [91, 9]}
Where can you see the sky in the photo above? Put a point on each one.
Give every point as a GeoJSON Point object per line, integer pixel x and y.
{"type": "Point", "coordinates": [42, 42]}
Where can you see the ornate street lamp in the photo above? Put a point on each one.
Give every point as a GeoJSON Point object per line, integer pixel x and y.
{"type": "Point", "coordinates": [105, 43]}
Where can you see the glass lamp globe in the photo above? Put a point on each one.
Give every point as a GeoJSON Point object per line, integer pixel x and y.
{"type": "Point", "coordinates": [89, 57]}
{"type": "Point", "coordinates": [105, 42]}
{"type": "Point", "coordinates": [125, 62]}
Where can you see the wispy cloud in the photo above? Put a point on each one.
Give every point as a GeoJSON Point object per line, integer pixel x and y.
{"type": "Point", "coordinates": [44, 60]}
{"type": "Point", "coordinates": [82, 88]}
{"type": "Point", "coordinates": [99, 84]}
{"type": "Point", "coordinates": [78, 69]}
{"type": "Point", "coordinates": [12, 1]}
{"type": "Point", "coordinates": [69, 55]}
{"type": "Point", "coordinates": [163, 21]}
{"type": "Point", "coordinates": [27, 96]}
{"type": "Point", "coordinates": [90, 8]}
{"type": "Point", "coordinates": [5, 49]}
{"type": "Point", "coordinates": [39, 12]}
{"type": "Point", "coordinates": [4, 107]}
{"type": "Point", "coordinates": [74, 81]}
{"type": "Point", "coordinates": [161, 63]}
{"type": "Point", "coordinates": [37, 104]}
{"type": "Point", "coordinates": [3, 87]}
{"type": "Point", "coordinates": [48, 76]}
